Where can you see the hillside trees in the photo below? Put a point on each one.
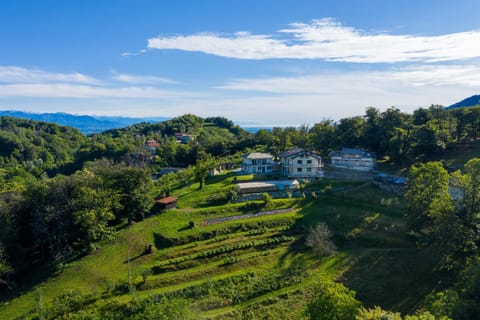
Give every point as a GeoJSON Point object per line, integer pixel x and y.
{"type": "Point", "coordinates": [334, 302]}
{"type": "Point", "coordinates": [350, 131]}
{"type": "Point", "coordinates": [324, 137]}
{"type": "Point", "coordinates": [449, 226]}
{"type": "Point", "coordinates": [68, 214]}
{"type": "Point", "coordinates": [5, 268]}
{"type": "Point", "coordinates": [431, 214]}
{"type": "Point", "coordinates": [205, 163]}
{"type": "Point", "coordinates": [468, 206]}
{"type": "Point", "coordinates": [37, 146]}
{"type": "Point", "coordinates": [129, 187]}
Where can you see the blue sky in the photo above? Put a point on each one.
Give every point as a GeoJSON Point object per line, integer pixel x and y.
{"type": "Point", "coordinates": [261, 62]}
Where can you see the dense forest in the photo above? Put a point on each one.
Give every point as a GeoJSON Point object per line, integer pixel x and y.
{"type": "Point", "coordinates": [62, 193]}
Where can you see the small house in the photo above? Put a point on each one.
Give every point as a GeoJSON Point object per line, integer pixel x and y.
{"type": "Point", "coordinates": [152, 145]}
{"type": "Point", "coordinates": [167, 203]}
{"type": "Point", "coordinates": [258, 162]}
{"type": "Point", "coordinates": [355, 159]}
{"type": "Point", "coordinates": [184, 138]}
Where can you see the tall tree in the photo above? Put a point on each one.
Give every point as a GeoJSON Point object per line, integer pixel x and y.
{"type": "Point", "coordinates": [5, 268]}
{"type": "Point", "coordinates": [372, 136]}
{"type": "Point", "coordinates": [350, 131]}
{"type": "Point", "coordinates": [427, 193]}
{"type": "Point", "coordinates": [433, 218]}
{"type": "Point", "coordinates": [204, 164]}
{"type": "Point", "coordinates": [324, 138]}
{"type": "Point", "coordinates": [468, 204]}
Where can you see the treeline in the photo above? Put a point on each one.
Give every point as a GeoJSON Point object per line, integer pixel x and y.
{"type": "Point", "coordinates": [214, 135]}
{"type": "Point", "coordinates": [403, 137]}
{"type": "Point", "coordinates": [31, 149]}
{"type": "Point", "coordinates": [66, 216]}
{"type": "Point", "coordinates": [61, 193]}
{"type": "Point", "coordinates": [37, 146]}
{"type": "Point", "coordinates": [444, 217]}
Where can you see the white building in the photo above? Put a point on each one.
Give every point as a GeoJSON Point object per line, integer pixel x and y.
{"type": "Point", "coordinates": [258, 163]}
{"type": "Point", "coordinates": [298, 163]}
{"type": "Point", "coordinates": [355, 159]}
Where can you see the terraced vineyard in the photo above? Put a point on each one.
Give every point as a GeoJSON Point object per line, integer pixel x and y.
{"type": "Point", "coordinates": [239, 269]}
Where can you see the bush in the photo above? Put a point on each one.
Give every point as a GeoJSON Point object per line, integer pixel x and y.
{"type": "Point", "coordinates": [267, 201]}
{"type": "Point", "coordinates": [319, 239]}
{"type": "Point", "coordinates": [335, 302]}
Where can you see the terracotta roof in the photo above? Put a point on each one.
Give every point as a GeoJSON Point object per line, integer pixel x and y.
{"type": "Point", "coordinates": [166, 200]}
{"type": "Point", "coordinates": [152, 143]}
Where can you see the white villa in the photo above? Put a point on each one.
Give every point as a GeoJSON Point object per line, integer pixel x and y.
{"type": "Point", "coordinates": [355, 159]}
{"type": "Point", "coordinates": [258, 163]}
{"type": "Point", "coordinates": [298, 163]}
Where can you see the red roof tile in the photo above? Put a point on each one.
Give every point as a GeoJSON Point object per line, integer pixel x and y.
{"type": "Point", "coordinates": [166, 200]}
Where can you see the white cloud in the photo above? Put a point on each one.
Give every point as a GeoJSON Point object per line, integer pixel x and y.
{"type": "Point", "coordinates": [141, 79]}
{"type": "Point", "coordinates": [327, 39]}
{"type": "Point", "coordinates": [273, 101]}
{"type": "Point", "coordinates": [63, 90]}
{"type": "Point", "coordinates": [363, 81]}
{"type": "Point", "coordinates": [13, 74]}
{"type": "Point", "coordinates": [21, 82]}
{"type": "Point", "coordinates": [441, 75]}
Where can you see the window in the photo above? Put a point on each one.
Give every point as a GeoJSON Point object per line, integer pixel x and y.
{"type": "Point", "coordinates": [309, 169]}
{"type": "Point", "coordinates": [299, 169]}
{"type": "Point", "coordinates": [309, 161]}
{"type": "Point", "coordinates": [299, 161]}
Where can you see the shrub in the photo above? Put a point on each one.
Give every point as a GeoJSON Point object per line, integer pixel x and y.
{"type": "Point", "coordinates": [319, 239]}
{"type": "Point", "coordinates": [335, 302]}
{"type": "Point", "coordinates": [267, 200]}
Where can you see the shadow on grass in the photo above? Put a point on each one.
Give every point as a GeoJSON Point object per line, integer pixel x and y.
{"type": "Point", "coordinates": [144, 253]}
{"type": "Point", "coordinates": [184, 228]}
{"type": "Point", "coordinates": [26, 282]}
{"type": "Point", "coordinates": [220, 178]}
{"type": "Point", "coordinates": [161, 242]}
{"type": "Point", "coordinates": [381, 261]}
{"type": "Point", "coordinates": [395, 279]}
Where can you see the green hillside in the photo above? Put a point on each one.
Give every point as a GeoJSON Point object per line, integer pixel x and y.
{"type": "Point", "coordinates": [80, 237]}
{"type": "Point", "coordinates": [243, 267]}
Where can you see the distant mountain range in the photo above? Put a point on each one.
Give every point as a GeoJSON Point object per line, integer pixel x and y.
{"type": "Point", "coordinates": [468, 102]}
{"type": "Point", "coordinates": [93, 124]}
{"type": "Point", "coordinates": [86, 124]}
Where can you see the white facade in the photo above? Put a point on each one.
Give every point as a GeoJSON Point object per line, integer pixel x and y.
{"type": "Point", "coordinates": [258, 163]}
{"type": "Point", "coordinates": [298, 163]}
{"type": "Point", "coordinates": [355, 159]}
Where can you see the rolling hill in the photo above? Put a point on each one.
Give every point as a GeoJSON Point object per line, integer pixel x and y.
{"type": "Point", "coordinates": [467, 102]}
{"type": "Point", "coordinates": [85, 123]}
